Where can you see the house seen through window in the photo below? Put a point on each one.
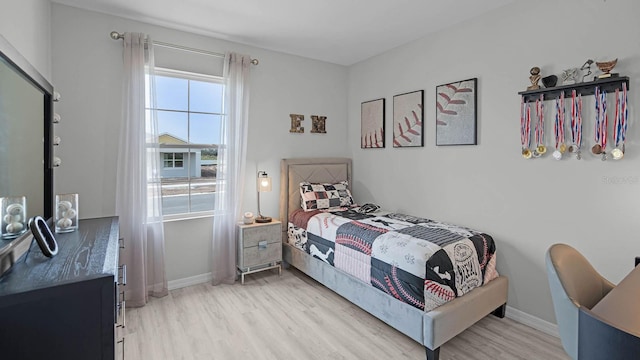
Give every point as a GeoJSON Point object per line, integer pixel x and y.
{"type": "Point", "coordinates": [189, 112]}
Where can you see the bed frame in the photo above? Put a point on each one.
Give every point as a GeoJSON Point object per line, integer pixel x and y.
{"type": "Point", "coordinates": [431, 329]}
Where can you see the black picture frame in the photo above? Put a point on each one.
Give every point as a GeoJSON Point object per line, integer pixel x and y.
{"type": "Point", "coordinates": [408, 119]}
{"type": "Point", "coordinates": [372, 132]}
{"type": "Point", "coordinates": [457, 113]}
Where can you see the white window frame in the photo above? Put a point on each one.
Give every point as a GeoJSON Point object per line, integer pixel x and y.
{"type": "Point", "coordinates": [172, 160]}
{"type": "Point", "coordinates": [197, 77]}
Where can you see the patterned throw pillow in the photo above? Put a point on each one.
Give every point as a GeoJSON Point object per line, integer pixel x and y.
{"type": "Point", "coordinates": [324, 196]}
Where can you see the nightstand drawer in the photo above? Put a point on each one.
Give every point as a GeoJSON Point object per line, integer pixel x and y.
{"type": "Point", "coordinates": [261, 255]}
{"type": "Point", "coordinates": [252, 235]}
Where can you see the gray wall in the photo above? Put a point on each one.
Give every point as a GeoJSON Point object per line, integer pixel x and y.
{"type": "Point", "coordinates": [26, 24]}
{"type": "Point", "coordinates": [87, 68]}
{"type": "Point", "coordinates": [526, 204]}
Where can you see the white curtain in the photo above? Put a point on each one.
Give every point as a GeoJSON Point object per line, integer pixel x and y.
{"type": "Point", "coordinates": [138, 196]}
{"type": "Point", "coordinates": [232, 155]}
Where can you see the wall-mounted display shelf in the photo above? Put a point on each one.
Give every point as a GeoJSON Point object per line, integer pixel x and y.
{"type": "Point", "coordinates": [584, 88]}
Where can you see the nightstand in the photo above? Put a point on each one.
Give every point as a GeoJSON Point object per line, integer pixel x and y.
{"type": "Point", "coordinates": [259, 247]}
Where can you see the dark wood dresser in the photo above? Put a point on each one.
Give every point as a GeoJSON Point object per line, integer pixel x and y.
{"type": "Point", "coordinates": [65, 307]}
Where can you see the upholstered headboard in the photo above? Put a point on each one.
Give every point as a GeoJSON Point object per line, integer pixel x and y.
{"type": "Point", "coordinates": [314, 170]}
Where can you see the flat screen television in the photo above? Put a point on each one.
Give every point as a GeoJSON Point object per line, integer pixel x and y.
{"type": "Point", "coordinates": [26, 120]}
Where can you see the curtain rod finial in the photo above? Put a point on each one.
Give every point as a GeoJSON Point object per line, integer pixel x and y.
{"type": "Point", "coordinates": [116, 35]}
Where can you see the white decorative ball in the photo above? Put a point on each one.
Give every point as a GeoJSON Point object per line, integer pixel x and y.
{"type": "Point", "coordinates": [14, 227]}
{"type": "Point", "coordinates": [64, 205]}
{"type": "Point", "coordinates": [69, 214]}
{"type": "Point", "coordinates": [64, 223]}
{"type": "Point", "coordinates": [8, 218]}
{"type": "Point", "coordinates": [15, 209]}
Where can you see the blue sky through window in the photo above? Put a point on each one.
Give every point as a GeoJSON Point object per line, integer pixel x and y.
{"type": "Point", "coordinates": [182, 95]}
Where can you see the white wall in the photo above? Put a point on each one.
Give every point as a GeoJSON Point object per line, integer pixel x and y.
{"type": "Point", "coordinates": [26, 24]}
{"type": "Point", "coordinates": [87, 68]}
{"type": "Point", "coordinates": [526, 204]}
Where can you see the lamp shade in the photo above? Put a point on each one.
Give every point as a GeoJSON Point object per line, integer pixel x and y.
{"type": "Point", "coordinates": [264, 182]}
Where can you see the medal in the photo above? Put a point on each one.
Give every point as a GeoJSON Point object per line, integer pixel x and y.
{"type": "Point", "coordinates": [541, 149]}
{"type": "Point", "coordinates": [558, 129]}
{"type": "Point", "coordinates": [601, 124]}
{"type": "Point", "coordinates": [525, 128]}
{"type": "Point", "coordinates": [617, 154]}
{"type": "Point", "coordinates": [539, 132]}
{"type": "Point", "coordinates": [576, 123]}
{"type": "Point", "coordinates": [596, 149]}
{"type": "Point", "coordinates": [620, 123]}
{"type": "Point", "coordinates": [573, 148]}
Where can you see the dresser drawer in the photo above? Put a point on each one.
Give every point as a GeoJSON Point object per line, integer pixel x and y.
{"type": "Point", "coordinates": [261, 255]}
{"type": "Point", "coordinates": [252, 235]}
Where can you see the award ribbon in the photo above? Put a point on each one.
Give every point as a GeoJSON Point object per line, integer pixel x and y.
{"type": "Point", "coordinates": [605, 122]}
{"type": "Point", "coordinates": [525, 128]}
{"type": "Point", "coordinates": [576, 124]}
{"type": "Point", "coordinates": [601, 124]}
{"type": "Point", "coordinates": [558, 128]}
{"type": "Point", "coordinates": [620, 123]}
{"type": "Point", "coordinates": [616, 121]}
{"type": "Point", "coordinates": [539, 133]}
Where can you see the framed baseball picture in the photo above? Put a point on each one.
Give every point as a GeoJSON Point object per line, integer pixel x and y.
{"type": "Point", "coordinates": [456, 113]}
{"type": "Point", "coordinates": [407, 119]}
{"type": "Point", "coordinates": [372, 124]}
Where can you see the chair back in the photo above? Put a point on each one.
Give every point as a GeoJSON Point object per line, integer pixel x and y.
{"type": "Point", "coordinates": [574, 283]}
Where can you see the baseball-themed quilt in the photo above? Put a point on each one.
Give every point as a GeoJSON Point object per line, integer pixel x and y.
{"type": "Point", "coordinates": [419, 261]}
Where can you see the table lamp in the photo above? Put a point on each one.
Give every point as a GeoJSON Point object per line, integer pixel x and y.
{"type": "Point", "coordinates": [264, 185]}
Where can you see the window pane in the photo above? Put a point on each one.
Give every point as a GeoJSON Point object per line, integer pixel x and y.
{"type": "Point", "coordinates": [172, 93]}
{"type": "Point", "coordinates": [209, 163]}
{"type": "Point", "coordinates": [205, 97]}
{"type": "Point", "coordinates": [202, 194]}
{"type": "Point", "coordinates": [173, 127]}
{"type": "Point", "coordinates": [205, 129]}
{"type": "Point", "coordinates": [175, 196]}
{"type": "Point", "coordinates": [188, 142]}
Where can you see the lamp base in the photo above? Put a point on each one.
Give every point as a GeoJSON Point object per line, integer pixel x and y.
{"type": "Point", "coordinates": [263, 219]}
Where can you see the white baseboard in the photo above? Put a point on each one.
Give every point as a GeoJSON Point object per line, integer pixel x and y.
{"type": "Point", "coordinates": [192, 280]}
{"type": "Point", "coordinates": [532, 321]}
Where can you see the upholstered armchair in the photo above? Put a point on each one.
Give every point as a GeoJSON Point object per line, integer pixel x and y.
{"type": "Point", "coordinates": [574, 283]}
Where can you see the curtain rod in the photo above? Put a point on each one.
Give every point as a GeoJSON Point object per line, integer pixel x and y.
{"type": "Point", "coordinates": [117, 36]}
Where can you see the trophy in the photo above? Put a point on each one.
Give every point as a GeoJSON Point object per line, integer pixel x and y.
{"type": "Point", "coordinates": [606, 67]}
{"type": "Point", "coordinates": [586, 66]}
{"type": "Point", "coordinates": [569, 76]}
{"type": "Point", "coordinates": [534, 78]}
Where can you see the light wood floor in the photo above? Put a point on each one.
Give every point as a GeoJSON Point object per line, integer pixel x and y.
{"type": "Point", "coordinates": [294, 317]}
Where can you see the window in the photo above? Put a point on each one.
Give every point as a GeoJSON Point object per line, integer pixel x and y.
{"type": "Point", "coordinates": [173, 160]}
{"type": "Point", "coordinates": [189, 112]}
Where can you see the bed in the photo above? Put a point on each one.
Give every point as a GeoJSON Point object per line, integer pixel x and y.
{"type": "Point", "coordinates": [431, 327]}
